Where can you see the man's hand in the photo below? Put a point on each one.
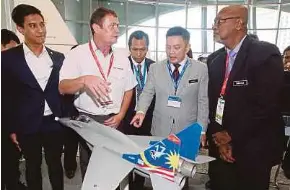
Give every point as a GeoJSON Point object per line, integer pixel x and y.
{"type": "Point", "coordinates": [221, 138]}
{"type": "Point", "coordinates": [138, 120]}
{"type": "Point", "coordinates": [97, 87]}
{"type": "Point", "coordinates": [226, 153]}
{"type": "Point", "coordinates": [203, 140]}
{"type": "Point", "coordinates": [13, 137]}
{"type": "Point", "coordinates": [113, 121]}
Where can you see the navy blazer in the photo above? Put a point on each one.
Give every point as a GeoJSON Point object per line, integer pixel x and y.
{"type": "Point", "coordinates": [146, 126]}
{"type": "Point", "coordinates": [22, 97]}
{"type": "Point", "coordinates": [251, 114]}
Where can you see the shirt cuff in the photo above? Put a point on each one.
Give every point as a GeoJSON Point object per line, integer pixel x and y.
{"type": "Point", "coordinates": [140, 112]}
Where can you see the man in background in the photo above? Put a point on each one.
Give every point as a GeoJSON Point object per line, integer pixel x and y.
{"type": "Point", "coordinates": [138, 46]}
{"type": "Point", "coordinates": [285, 103]}
{"type": "Point", "coordinates": [10, 153]}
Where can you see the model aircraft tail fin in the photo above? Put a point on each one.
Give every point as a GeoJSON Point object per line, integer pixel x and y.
{"type": "Point", "coordinates": [161, 158]}
{"type": "Point", "coordinates": [190, 141]}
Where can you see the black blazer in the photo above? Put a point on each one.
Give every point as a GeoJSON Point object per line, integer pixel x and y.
{"type": "Point", "coordinates": [251, 114]}
{"type": "Point", "coordinates": [146, 126]}
{"type": "Point", "coordinates": [22, 97]}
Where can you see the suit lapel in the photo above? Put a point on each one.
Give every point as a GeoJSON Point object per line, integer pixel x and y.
{"type": "Point", "coordinates": [55, 68]}
{"type": "Point", "coordinates": [217, 69]}
{"type": "Point", "coordinates": [25, 73]}
{"type": "Point", "coordinates": [239, 61]}
{"type": "Point", "coordinates": [184, 79]}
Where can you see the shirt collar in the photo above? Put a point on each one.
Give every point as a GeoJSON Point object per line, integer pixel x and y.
{"type": "Point", "coordinates": [237, 48]}
{"type": "Point", "coordinates": [28, 51]}
{"type": "Point", "coordinates": [182, 63]}
{"type": "Point", "coordinates": [135, 63]}
{"type": "Point", "coordinates": [95, 48]}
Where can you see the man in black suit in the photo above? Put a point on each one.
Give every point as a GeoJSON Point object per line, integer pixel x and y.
{"type": "Point", "coordinates": [285, 105]}
{"type": "Point", "coordinates": [138, 45]}
{"type": "Point", "coordinates": [246, 128]}
{"type": "Point", "coordinates": [10, 154]}
{"type": "Point", "coordinates": [30, 77]}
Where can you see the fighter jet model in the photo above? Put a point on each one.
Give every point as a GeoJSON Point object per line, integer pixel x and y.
{"type": "Point", "coordinates": [167, 161]}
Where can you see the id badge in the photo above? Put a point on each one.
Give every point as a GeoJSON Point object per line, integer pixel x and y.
{"type": "Point", "coordinates": [220, 110]}
{"type": "Point", "coordinates": [174, 101]}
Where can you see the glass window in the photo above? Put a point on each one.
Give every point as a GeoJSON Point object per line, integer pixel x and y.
{"type": "Point", "coordinates": [141, 14]}
{"type": "Point", "coordinates": [162, 39]}
{"type": "Point", "coordinates": [81, 32]}
{"type": "Point", "coordinates": [217, 46]}
{"type": "Point", "coordinates": [267, 35]}
{"type": "Point", "coordinates": [148, 30]}
{"type": "Point", "coordinates": [195, 40]}
{"type": "Point", "coordinates": [283, 39]}
{"type": "Point", "coordinates": [211, 14]}
{"type": "Point", "coordinates": [285, 16]}
{"type": "Point", "coordinates": [171, 15]}
{"type": "Point", "coordinates": [118, 7]}
{"type": "Point", "coordinates": [209, 36]}
{"type": "Point", "coordinates": [121, 43]}
{"type": "Point", "coordinates": [151, 55]}
{"type": "Point", "coordinates": [266, 16]}
{"type": "Point", "coordinates": [265, 1]}
{"type": "Point", "coordinates": [161, 56]}
{"type": "Point", "coordinates": [194, 17]}
{"type": "Point", "coordinates": [77, 10]}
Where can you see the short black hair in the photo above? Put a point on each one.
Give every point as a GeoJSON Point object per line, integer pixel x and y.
{"type": "Point", "coordinates": [99, 15]}
{"type": "Point", "coordinates": [139, 35]}
{"type": "Point", "coordinates": [7, 36]}
{"type": "Point", "coordinates": [287, 49]}
{"type": "Point", "coordinates": [179, 31]}
{"type": "Point", "coordinates": [23, 10]}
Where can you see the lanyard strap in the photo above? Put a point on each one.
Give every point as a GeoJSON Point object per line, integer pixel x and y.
{"type": "Point", "coordinates": [227, 74]}
{"type": "Point", "coordinates": [176, 83]}
{"type": "Point", "coordinates": [98, 63]}
{"type": "Point", "coordinates": [141, 83]}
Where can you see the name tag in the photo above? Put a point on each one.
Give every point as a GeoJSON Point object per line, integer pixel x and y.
{"type": "Point", "coordinates": [174, 101]}
{"type": "Point", "coordinates": [220, 111]}
{"type": "Point", "coordinates": [118, 68]}
{"type": "Point", "coordinates": [240, 83]}
{"type": "Point", "coordinates": [193, 81]}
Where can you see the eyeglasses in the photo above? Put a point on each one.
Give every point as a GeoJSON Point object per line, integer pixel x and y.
{"type": "Point", "coordinates": [219, 21]}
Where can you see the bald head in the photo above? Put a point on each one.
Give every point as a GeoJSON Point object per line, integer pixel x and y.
{"type": "Point", "coordinates": [237, 11]}
{"type": "Point", "coordinates": [230, 25]}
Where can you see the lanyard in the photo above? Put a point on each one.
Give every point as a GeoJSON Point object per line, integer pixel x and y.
{"type": "Point", "coordinates": [227, 74]}
{"type": "Point", "coordinates": [176, 83]}
{"type": "Point", "coordinates": [98, 63]}
{"type": "Point", "coordinates": [141, 83]}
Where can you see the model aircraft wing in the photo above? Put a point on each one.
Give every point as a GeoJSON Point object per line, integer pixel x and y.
{"type": "Point", "coordinates": [105, 170]}
{"type": "Point", "coordinates": [159, 183]}
{"type": "Point", "coordinates": [144, 141]}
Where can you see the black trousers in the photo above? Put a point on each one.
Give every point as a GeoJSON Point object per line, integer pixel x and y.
{"type": "Point", "coordinates": [250, 174]}
{"type": "Point", "coordinates": [9, 162]}
{"type": "Point", "coordinates": [52, 144]}
{"type": "Point", "coordinates": [70, 149]}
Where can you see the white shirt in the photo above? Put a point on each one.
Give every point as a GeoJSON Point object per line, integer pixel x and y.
{"type": "Point", "coordinates": [41, 67]}
{"type": "Point", "coordinates": [80, 62]}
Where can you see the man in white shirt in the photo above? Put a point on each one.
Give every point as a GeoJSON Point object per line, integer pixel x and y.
{"type": "Point", "coordinates": [95, 63]}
